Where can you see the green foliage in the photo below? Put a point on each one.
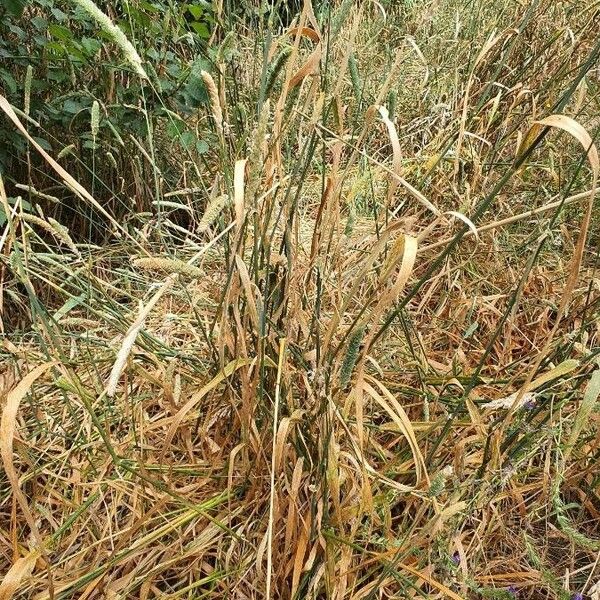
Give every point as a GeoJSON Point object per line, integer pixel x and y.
{"type": "Point", "coordinates": [13, 7]}
{"type": "Point", "coordinates": [57, 64]}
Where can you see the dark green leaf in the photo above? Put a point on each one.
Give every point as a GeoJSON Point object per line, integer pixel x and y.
{"type": "Point", "coordinates": [195, 11]}
{"type": "Point", "coordinates": [153, 53]}
{"type": "Point", "coordinates": [195, 91]}
{"type": "Point", "coordinates": [72, 107]}
{"type": "Point", "coordinates": [43, 143]}
{"type": "Point", "coordinates": [202, 147]}
{"type": "Point", "coordinates": [175, 129]}
{"type": "Point", "coordinates": [188, 139]}
{"type": "Point", "coordinates": [60, 32]}
{"type": "Point", "coordinates": [59, 15]}
{"type": "Point", "coordinates": [17, 31]}
{"type": "Point", "coordinates": [201, 29]}
{"type": "Point", "coordinates": [14, 7]}
{"type": "Point", "coordinates": [9, 81]}
{"type": "Point", "coordinates": [91, 45]}
{"type": "Point", "coordinates": [39, 23]}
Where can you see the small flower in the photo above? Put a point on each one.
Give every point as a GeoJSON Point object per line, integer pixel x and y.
{"type": "Point", "coordinates": [512, 590]}
{"type": "Point", "coordinates": [578, 596]}
{"type": "Point", "coordinates": [529, 405]}
{"type": "Point", "coordinates": [456, 558]}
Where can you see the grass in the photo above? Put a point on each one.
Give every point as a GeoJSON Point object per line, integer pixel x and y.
{"type": "Point", "coordinates": [354, 353]}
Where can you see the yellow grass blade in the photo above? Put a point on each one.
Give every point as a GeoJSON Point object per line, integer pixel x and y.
{"type": "Point", "coordinates": [21, 569]}
{"type": "Point", "coordinates": [432, 582]}
{"type": "Point", "coordinates": [238, 192]}
{"type": "Point", "coordinates": [131, 335]}
{"type": "Point", "coordinates": [226, 372]}
{"type": "Point", "coordinates": [389, 403]}
{"type": "Point", "coordinates": [7, 435]}
{"type": "Point", "coordinates": [397, 153]}
{"type": "Point", "coordinates": [282, 343]}
{"type": "Point", "coordinates": [583, 137]}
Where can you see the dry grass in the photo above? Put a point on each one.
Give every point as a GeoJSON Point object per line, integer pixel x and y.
{"type": "Point", "coordinates": [287, 397]}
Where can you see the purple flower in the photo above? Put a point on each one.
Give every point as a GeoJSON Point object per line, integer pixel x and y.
{"type": "Point", "coordinates": [512, 590]}
{"type": "Point", "coordinates": [456, 558]}
{"type": "Point", "coordinates": [529, 405]}
{"type": "Point", "coordinates": [578, 596]}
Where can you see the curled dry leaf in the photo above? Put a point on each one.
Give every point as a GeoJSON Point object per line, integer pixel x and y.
{"type": "Point", "coordinates": [21, 569]}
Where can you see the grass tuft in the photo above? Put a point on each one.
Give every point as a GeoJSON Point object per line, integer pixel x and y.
{"type": "Point", "coordinates": [310, 311]}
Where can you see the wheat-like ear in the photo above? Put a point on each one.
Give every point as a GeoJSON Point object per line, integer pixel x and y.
{"type": "Point", "coordinates": [54, 228]}
{"type": "Point", "coordinates": [33, 220]}
{"type": "Point", "coordinates": [351, 356]}
{"type": "Point", "coordinates": [257, 150]}
{"type": "Point", "coordinates": [354, 75]}
{"type": "Point", "coordinates": [27, 97]}
{"type": "Point", "coordinates": [213, 210]}
{"type": "Point", "coordinates": [62, 233]}
{"type": "Point", "coordinates": [112, 160]}
{"type": "Point", "coordinates": [215, 103]}
{"type": "Point", "coordinates": [341, 16]}
{"type": "Point", "coordinates": [31, 190]}
{"type": "Point", "coordinates": [70, 149]}
{"type": "Point", "coordinates": [276, 67]}
{"type": "Point", "coordinates": [115, 33]}
{"type": "Point", "coordinates": [168, 265]}
{"type": "Point", "coordinates": [95, 120]}
{"type": "Point", "coordinates": [132, 333]}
